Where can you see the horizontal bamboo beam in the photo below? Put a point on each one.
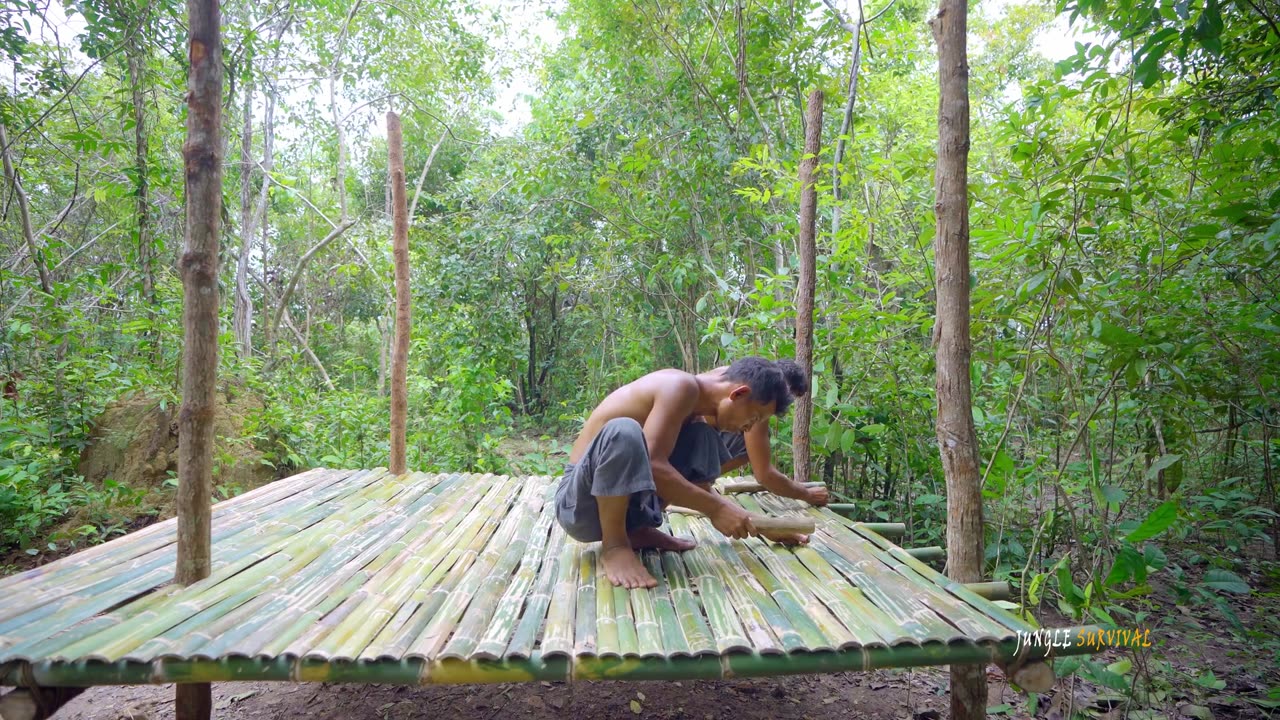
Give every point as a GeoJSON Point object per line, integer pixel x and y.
{"type": "Point", "coordinates": [998, 590]}
{"type": "Point", "coordinates": [729, 487]}
{"type": "Point", "coordinates": [536, 668]}
{"type": "Point", "coordinates": [932, 553]}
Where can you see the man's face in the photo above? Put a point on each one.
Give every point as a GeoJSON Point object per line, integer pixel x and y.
{"type": "Point", "coordinates": [739, 412]}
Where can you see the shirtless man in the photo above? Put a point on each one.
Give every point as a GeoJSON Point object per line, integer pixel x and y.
{"type": "Point", "coordinates": [753, 446]}
{"type": "Point", "coordinates": [620, 472]}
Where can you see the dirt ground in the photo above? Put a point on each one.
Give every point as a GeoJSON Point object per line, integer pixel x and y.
{"type": "Point", "coordinates": [899, 695]}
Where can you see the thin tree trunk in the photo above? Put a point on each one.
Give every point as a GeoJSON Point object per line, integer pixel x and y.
{"type": "Point", "coordinates": [203, 159]}
{"type": "Point", "coordinates": [142, 192]}
{"type": "Point", "coordinates": [382, 357]}
{"type": "Point", "coordinates": [957, 439]}
{"type": "Point", "coordinates": [242, 312]}
{"type": "Point", "coordinates": [400, 253]}
{"type": "Point", "coordinates": [417, 191]}
{"type": "Point", "coordinates": [846, 125]}
{"type": "Point", "coordinates": [24, 214]}
{"type": "Point", "coordinates": [341, 170]}
{"type": "Point", "coordinates": [806, 281]}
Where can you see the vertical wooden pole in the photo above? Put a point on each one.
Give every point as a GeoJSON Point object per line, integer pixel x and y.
{"type": "Point", "coordinates": [400, 253]}
{"type": "Point", "coordinates": [957, 439]}
{"type": "Point", "coordinates": [202, 154]}
{"type": "Point", "coordinates": [806, 281]}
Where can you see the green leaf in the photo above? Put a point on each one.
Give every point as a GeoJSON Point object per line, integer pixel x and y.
{"type": "Point", "coordinates": [1113, 335]}
{"type": "Point", "coordinates": [1157, 522]}
{"type": "Point", "coordinates": [1164, 461]}
{"type": "Point", "coordinates": [1226, 581]}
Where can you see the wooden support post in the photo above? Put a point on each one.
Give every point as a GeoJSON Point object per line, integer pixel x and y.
{"type": "Point", "coordinates": [202, 155]}
{"type": "Point", "coordinates": [806, 282]}
{"type": "Point", "coordinates": [957, 439]}
{"type": "Point", "coordinates": [24, 704]}
{"type": "Point", "coordinates": [400, 253]}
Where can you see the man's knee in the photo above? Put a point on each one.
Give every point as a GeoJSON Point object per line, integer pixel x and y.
{"type": "Point", "coordinates": [624, 430]}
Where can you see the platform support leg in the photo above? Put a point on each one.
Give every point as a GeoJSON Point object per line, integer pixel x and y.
{"type": "Point", "coordinates": [193, 701]}
{"type": "Point", "coordinates": [37, 704]}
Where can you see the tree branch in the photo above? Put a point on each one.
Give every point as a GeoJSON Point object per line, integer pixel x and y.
{"type": "Point", "coordinates": [302, 266]}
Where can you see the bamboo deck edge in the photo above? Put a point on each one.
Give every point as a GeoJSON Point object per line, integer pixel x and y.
{"type": "Point", "coordinates": [532, 669]}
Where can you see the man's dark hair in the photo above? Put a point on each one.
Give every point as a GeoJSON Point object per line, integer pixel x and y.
{"type": "Point", "coordinates": [797, 378]}
{"type": "Point", "coordinates": [766, 381]}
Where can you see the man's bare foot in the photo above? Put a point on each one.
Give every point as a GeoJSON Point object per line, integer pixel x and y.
{"type": "Point", "coordinates": [649, 537]}
{"type": "Point", "coordinates": [623, 568]}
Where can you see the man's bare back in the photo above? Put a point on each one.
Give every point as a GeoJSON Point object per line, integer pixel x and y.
{"type": "Point", "coordinates": [633, 400]}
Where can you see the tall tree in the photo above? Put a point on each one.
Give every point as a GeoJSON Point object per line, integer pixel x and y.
{"type": "Point", "coordinates": [24, 212]}
{"type": "Point", "coordinates": [136, 60]}
{"type": "Point", "coordinates": [957, 438]}
{"type": "Point", "coordinates": [805, 284]}
{"type": "Point", "coordinates": [203, 166]}
{"type": "Point", "coordinates": [400, 252]}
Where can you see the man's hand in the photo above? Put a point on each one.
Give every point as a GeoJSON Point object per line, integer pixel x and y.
{"type": "Point", "coordinates": [817, 496]}
{"type": "Point", "coordinates": [732, 521]}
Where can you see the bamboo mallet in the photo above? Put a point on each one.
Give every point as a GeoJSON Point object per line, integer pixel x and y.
{"type": "Point", "coordinates": [767, 526]}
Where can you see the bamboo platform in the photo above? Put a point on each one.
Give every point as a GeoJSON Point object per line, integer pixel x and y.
{"type": "Point", "coordinates": [360, 576]}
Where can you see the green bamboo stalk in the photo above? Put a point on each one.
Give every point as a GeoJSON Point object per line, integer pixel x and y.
{"type": "Point", "coordinates": [374, 617]}
{"type": "Point", "coordinates": [874, 625]}
{"type": "Point", "coordinates": [484, 601]}
{"type": "Point", "coordinates": [126, 547]}
{"type": "Point", "coordinates": [692, 623]}
{"type": "Point", "coordinates": [451, 590]}
{"type": "Point", "coordinates": [536, 607]}
{"type": "Point", "coordinates": [763, 623]}
{"type": "Point", "coordinates": [251, 629]}
{"type": "Point", "coordinates": [558, 638]}
{"type": "Point", "coordinates": [100, 589]}
{"type": "Point", "coordinates": [606, 621]}
{"type": "Point", "coordinates": [984, 606]}
{"type": "Point", "coordinates": [504, 617]}
{"type": "Point", "coordinates": [585, 636]}
{"type": "Point", "coordinates": [624, 621]}
{"type": "Point", "coordinates": [672, 640]}
{"type": "Point", "coordinates": [906, 581]}
{"type": "Point", "coordinates": [725, 626]}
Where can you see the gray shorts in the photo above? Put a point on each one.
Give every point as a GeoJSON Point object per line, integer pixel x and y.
{"type": "Point", "coordinates": [735, 443]}
{"type": "Point", "coordinates": [617, 463]}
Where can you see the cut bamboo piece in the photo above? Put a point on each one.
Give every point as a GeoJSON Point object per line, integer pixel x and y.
{"type": "Point", "coordinates": [768, 526]}
{"type": "Point", "coordinates": [998, 590]}
{"type": "Point", "coordinates": [729, 487]}
{"type": "Point", "coordinates": [931, 553]}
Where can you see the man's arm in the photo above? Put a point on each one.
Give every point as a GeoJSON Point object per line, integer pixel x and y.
{"type": "Point", "coordinates": [672, 404]}
{"type": "Point", "coordinates": [757, 441]}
